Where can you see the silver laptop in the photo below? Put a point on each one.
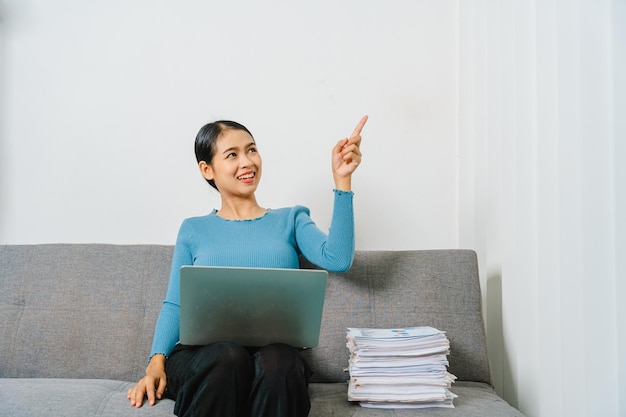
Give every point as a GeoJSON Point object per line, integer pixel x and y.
{"type": "Point", "coordinates": [251, 306]}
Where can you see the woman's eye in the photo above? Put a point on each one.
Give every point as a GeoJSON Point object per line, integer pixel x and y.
{"type": "Point", "coordinates": [252, 150]}
{"type": "Point", "coordinates": [231, 155]}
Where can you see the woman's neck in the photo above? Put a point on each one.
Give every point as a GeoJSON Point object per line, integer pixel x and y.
{"type": "Point", "coordinates": [240, 209]}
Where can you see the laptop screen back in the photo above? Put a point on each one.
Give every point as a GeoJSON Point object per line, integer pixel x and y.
{"type": "Point", "coordinates": [251, 306]}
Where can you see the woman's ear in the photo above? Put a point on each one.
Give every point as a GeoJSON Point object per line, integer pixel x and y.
{"type": "Point", "coordinates": [206, 170]}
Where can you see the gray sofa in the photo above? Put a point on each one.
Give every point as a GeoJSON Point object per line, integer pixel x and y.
{"type": "Point", "coordinates": [76, 325]}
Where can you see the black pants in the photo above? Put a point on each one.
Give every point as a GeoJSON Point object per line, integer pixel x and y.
{"type": "Point", "coordinates": [225, 379]}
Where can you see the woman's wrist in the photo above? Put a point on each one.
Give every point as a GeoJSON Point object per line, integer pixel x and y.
{"type": "Point", "coordinates": [343, 183]}
{"type": "Point", "coordinates": [157, 360]}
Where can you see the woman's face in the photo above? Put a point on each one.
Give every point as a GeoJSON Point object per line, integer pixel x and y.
{"type": "Point", "coordinates": [236, 164]}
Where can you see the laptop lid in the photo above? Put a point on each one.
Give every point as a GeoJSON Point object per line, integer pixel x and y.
{"type": "Point", "coordinates": [251, 306]}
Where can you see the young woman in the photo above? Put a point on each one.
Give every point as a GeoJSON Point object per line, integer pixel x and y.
{"type": "Point", "coordinates": [224, 379]}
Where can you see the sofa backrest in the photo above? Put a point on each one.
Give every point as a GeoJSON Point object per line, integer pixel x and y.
{"type": "Point", "coordinates": [391, 289]}
{"type": "Point", "coordinates": [79, 311]}
{"type": "Point", "coordinates": [89, 310]}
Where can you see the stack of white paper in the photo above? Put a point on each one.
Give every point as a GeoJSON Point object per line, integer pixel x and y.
{"type": "Point", "coordinates": [399, 368]}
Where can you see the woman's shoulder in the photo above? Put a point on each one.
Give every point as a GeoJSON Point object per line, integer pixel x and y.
{"type": "Point", "coordinates": [191, 224]}
{"type": "Point", "coordinates": [292, 211]}
{"type": "Point", "coordinates": [200, 219]}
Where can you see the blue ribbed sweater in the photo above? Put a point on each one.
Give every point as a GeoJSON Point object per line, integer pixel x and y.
{"type": "Point", "coordinates": [275, 240]}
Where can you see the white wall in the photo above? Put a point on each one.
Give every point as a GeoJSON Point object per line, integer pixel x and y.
{"type": "Point", "coordinates": [542, 196]}
{"type": "Point", "coordinates": [100, 103]}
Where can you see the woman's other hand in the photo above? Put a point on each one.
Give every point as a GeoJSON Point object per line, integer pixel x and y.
{"type": "Point", "coordinates": [152, 385]}
{"type": "Point", "coordinates": [347, 157]}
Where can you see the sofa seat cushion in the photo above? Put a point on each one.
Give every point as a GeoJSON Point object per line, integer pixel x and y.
{"type": "Point", "coordinates": [475, 399]}
{"type": "Point", "coordinates": [51, 397]}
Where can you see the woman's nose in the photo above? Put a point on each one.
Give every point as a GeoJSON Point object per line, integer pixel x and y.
{"type": "Point", "coordinates": [246, 160]}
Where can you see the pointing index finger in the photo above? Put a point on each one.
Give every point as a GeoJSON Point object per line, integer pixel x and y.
{"type": "Point", "coordinates": [359, 127]}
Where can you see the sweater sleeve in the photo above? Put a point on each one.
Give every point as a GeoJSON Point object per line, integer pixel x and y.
{"type": "Point", "coordinates": [167, 330]}
{"type": "Point", "coordinates": [333, 251]}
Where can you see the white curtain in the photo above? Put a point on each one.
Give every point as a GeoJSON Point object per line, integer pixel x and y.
{"type": "Point", "coordinates": [542, 196]}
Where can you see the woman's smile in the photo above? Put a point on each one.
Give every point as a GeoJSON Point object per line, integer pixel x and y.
{"type": "Point", "coordinates": [247, 178]}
